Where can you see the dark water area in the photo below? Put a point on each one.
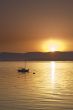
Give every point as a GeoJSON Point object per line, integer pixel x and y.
{"type": "Point", "coordinates": [50, 88]}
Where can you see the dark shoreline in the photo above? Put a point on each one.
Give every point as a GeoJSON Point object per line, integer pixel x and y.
{"type": "Point", "coordinates": [37, 56]}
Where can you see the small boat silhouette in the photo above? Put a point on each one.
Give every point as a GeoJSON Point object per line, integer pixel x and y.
{"type": "Point", "coordinates": [23, 70]}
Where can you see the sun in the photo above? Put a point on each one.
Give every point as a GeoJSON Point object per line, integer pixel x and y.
{"type": "Point", "coordinates": [53, 45]}
{"type": "Point", "coordinates": [53, 49]}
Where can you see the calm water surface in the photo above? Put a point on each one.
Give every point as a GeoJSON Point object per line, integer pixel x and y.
{"type": "Point", "coordinates": [51, 88]}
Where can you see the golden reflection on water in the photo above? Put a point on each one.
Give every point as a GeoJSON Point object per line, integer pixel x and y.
{"type": "Point", "coordinates": [50, 77]}
{"type": "Point", "coordinates": [52, 71]}
{"type": "Point", "coordinates": [51, 86]}
{"type": "Point", "coordinates": [60, 79]}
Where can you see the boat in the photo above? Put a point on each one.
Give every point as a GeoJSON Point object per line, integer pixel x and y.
{"type": "Point", "coordinates": [23, 70]}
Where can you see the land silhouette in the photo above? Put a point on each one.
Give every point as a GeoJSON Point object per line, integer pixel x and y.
{"type": "Point", "coordinates": [37, 56]}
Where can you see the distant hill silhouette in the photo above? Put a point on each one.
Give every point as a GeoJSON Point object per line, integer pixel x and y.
{"type": "Point", "coordinates": [37, 56]}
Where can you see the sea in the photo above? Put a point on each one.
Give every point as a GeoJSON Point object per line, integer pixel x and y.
{"type": "Point", "coordinates": [50, 88]}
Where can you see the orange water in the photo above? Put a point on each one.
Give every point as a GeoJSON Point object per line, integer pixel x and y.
{"type": "Point", "coordinates": [50, 88]}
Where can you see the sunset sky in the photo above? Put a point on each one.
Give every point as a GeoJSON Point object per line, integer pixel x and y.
{"type": "Point", "coordinates": [36, 25]}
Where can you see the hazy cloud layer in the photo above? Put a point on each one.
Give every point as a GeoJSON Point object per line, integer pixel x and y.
{"type": "Point", "coordinates": [26, 21]}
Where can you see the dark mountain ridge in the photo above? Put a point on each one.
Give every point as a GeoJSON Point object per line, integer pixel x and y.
{"type": "Point", "coordinates": [37, 56]}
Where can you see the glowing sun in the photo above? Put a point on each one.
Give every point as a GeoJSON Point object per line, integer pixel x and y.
{"type": "Point", "coordinates": [53, 49]}
{"type": "Point", "coordinates": [53, 45]}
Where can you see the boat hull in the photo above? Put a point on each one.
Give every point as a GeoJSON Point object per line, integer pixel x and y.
{"type": "Point", "coordinates": [23, 70]}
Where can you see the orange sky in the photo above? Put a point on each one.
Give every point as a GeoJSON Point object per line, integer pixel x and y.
{"type": "Point", "coordinates": [29, 26]}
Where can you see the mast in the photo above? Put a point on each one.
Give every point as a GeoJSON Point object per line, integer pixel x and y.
{"type": "Point", "coordinates": [25, 60]}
